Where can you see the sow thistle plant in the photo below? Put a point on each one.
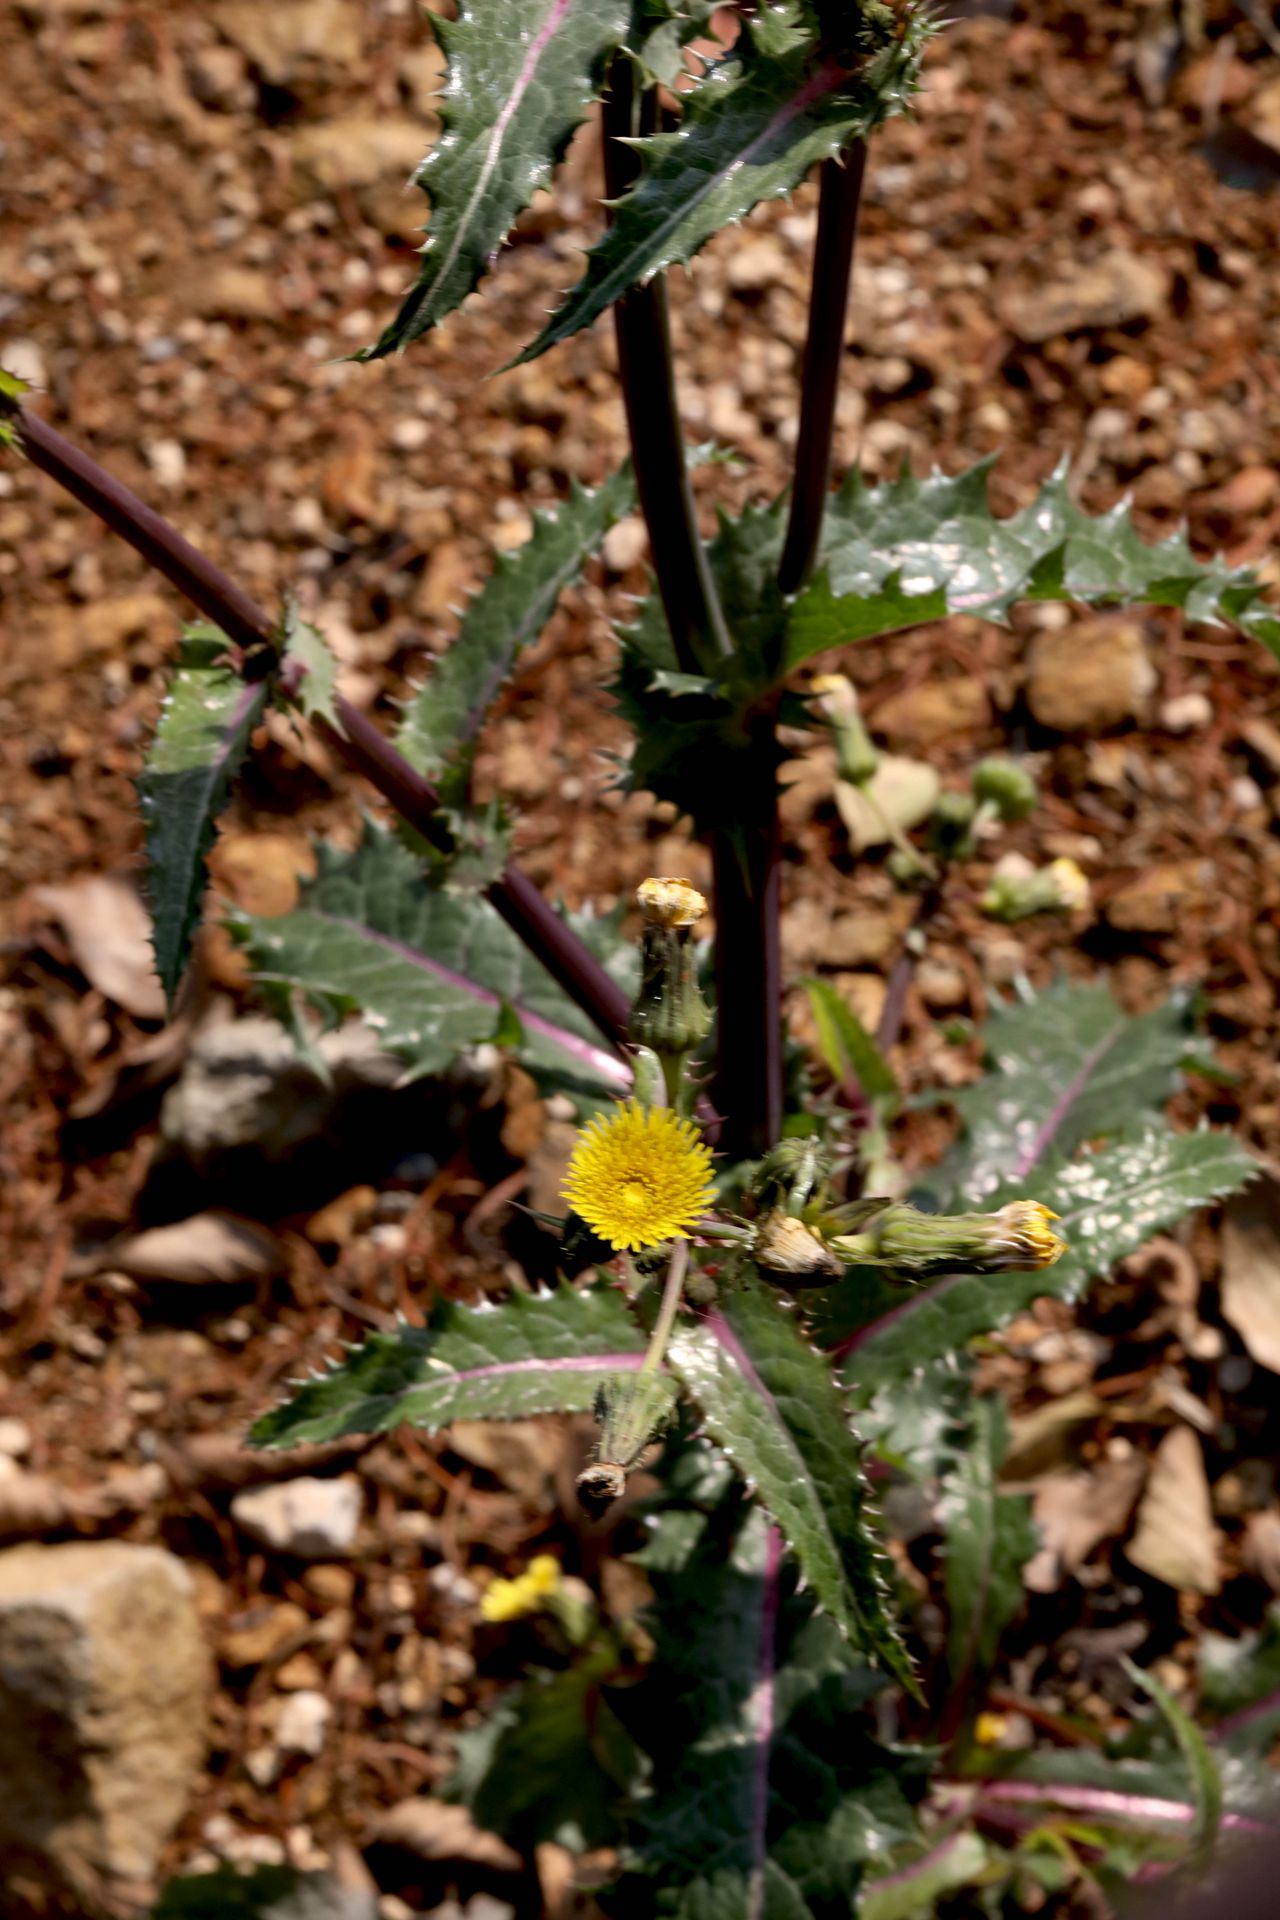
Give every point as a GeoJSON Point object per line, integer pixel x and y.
{"type": "Point", "coordinates": [750, 1280]}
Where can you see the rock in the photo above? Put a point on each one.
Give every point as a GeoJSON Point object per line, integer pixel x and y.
{"type": "Point", "coordinates": [312, 1519]}
{"type": "Point", "coordinates": [1089, 675]}
{"type": "Point", "coordinates": [625, 544]}
{"type": "Point", "coordinates": [943, 988]}
{"type": "Point", "coordinates": [15, 1438]}
{"type": "Point", "coordinates": [925, 714]}
{"type": "Point", "coordinates": [244, 1084]}
{"type": "Point", "coordinates": [262, 871]}
{"type": "Point", "coordinates": [260, 1633]}
{"type": "Point", "coordinates": [303, 1723]}
{"type": "Point", "coordinates": [1251, 1269]}
{"type": "Point", "coordinates": [24, 358]}
{"type": "Point", "coordinates": [812, 936]}
{"type": "Point", "coordinates": [757, 264]}
{"type": "Point", "coordinates": [1186, 713]}
{"type": "Point", "coordinates": [104, 1687]}
{"type": "Point", "coordinates": [233, 293]}
{"type": "Point", "coordinates": [1112, 291]}
{"type": "Point", "coordinates": [1160, 900]}
{"type": "Point", "coordinates": [359, 150]}
{"type": "Point", "coordinates": [292, 41]}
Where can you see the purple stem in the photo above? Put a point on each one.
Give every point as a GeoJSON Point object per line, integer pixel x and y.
{"type": "Point", "coordinates": [569, 960]}
{"type": "Point", "coordinates": [1105, 1803]}
{"type": "Point", "coordinates": [1245, 1716]}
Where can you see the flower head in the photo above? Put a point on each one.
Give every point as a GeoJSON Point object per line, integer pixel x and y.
{"type": "Point", "coordinates": [639, 1177]}
{"type": "Point", "coordinates": [1022, 1230]}
{"type": "Point", "coordinates": [670, 903]}
{"type": "Point", "coordinates": [1018, 1234]}
{"type": "Point", "coordinates": [527, 1593]}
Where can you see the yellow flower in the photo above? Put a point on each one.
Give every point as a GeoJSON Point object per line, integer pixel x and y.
{"type": "Point", "coordinates": [527, 1593]}
{"type": "Point", "coordinates": [1073, 888]}
{"type": "Point", "coordinates": [639, 1177]}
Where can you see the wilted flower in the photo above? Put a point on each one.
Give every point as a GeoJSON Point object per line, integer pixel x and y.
{"type": "Point", "coordinates": [1018, 889]}
{"type": "Point", "coordinates": [527, 1593]}
{"type": "Point", "coordinates": [787, 1248]}
{"type": "Point", "coordinates": [670, 902]}
{"type": "Point", "coordinates": [639, 1177]}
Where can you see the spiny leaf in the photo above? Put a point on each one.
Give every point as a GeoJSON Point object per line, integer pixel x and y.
{"type": "Point", "coordinates": [309, 671]}
{"type": "Point", "coordinates": [521, 75]}
{"type": "Point", "coordinates": [915, 550]}
{"type": "Point", "coordinates": [208, 716]}
{"type": "Point", "coordinates": [771, 1402]}
{"type": "Point", "coordinates": [1110, 1202]}
{"type": "Point", "coordinates": [1064, 1067]}
{"type": "Point", "coordinates": [913, 1891]}
{"type": "Point", "coordinates": [989, 1537]}
{"type": "Point", "coordinates": [661, 32]}
{"type": "Point", "coordinates": [506, 615]}
{"type": "Point", "coordinates": [751, 130]}
{"type": "Point", "coordinates": [1206, 1780]}
{"type": "Point", "coordinates": [431, 970]}
{"type": "Point", "coordinates": [552, 1760]}
{"type": "Point", "coordinates": [540, 1353]}
{"type": "Point", "coordinates": [768, 1794]}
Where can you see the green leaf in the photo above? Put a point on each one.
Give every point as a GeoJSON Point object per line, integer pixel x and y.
{"type": "Point", "coordinates": [771, 1402]}
{"type": "Point", "coordinates": [989, 1537]}
{"type": "Point", "coordinates": [1064, 1067]}
{"type": "Point", "coordinates": [1240, 1685]}
{"type": "Point", "coordinates": [508, 613]}
{"type": "Point", "coordinates": [1110, 1202]}
{"type": "Point", "coordinates": [521, 75]}
{"type": "Point", "coordinates": [768, 1795]}
{"type": "Point", "coordinates": [536, 1353]}
{"type": "Point", "coordinates": [912, 1892]}
{"type": "Point", "coordinates": [661, 32]}
{"type": "Point", "coordinates": [751, 130]}
{"type": "Point", "coordinates": [429, 968]}
{"type": "Point", "coordinates": [208, 716]}
{"type": "Point", "coordinates": [551, 1761]}
{"type": "Point", "coordinates": [846, 1046]}
{"type": "Point", "coordinates": [309, 671]}
{"type": "Point", "coordinates": [915, 550]}
{"type": "Point", "coordinates": [1202, 1768]}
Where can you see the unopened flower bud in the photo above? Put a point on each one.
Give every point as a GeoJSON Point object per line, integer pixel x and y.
{"type": "Point", "coordinates": [951, 825]}
{"type": "Point", "coordinates": [835, 698]}
{"type": "Point", "coordinates": [670, 1014]}
{"type": "Point", "coordinates": [1018, 889]}
{"type": "Point", "coordinates": [1018, 1235]}
{"type": "Point", "coordinates": [1005, 786]}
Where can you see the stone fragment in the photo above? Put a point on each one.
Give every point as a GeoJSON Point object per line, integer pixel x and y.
{"type": "Point", "coordinates": [360, 150]}
{"type": "Point", "coordinates": [312, 1519]}
{"type": "Point", "coordinates": [625, 544]}
{"type": "Point", "coordinates": [231, 292]}
{"type": "Point", "coordinates": [757, 264]}
{"type": "Point", "coordinates": [1112, 291]}
{"type": "Point", "coordinates": [1089, 675]}
{"type": "Point", "coordinates": [104, 1686]}
{"type": "Point", "coordinates": [1186, 713]}
{"type": "Point", "coordinates": [260, 1633]}
{"type": "Point", "coordinates": [15, 1438]}
{"type": "Point", "coordinates": [303, 1723]}
{"type": "Point", "coordinates": [290, 41]}
{"type": "Point", "coordinates": [1162, 899]}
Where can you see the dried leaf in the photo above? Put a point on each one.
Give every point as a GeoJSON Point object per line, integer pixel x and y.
{"type": "Point", "coordinates": [435, 1830]}
{"type": "Point", "coordinates": [108, 930]}
{"type": "Point", "coordinates": [1076, 1512]}
{"type": "Point", "coordinates": [1251, 1269]}
{"type": "Point", "coordinates": [1176, 1540]}
{"type": "Point", "coordinates": [207, 1249]}
{"type": "Point", "coordinates": [901, 793]}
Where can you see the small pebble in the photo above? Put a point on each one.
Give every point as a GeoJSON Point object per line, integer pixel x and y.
{"type": "Point", "coordinates": [1186, 713]}
{"type": "Point", "coordinates": [303, 1723]}
{"type": "Point", "coordinates": [15, 1438]}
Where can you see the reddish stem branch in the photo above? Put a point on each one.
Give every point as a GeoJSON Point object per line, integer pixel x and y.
{"type": "Point", "coordinates": [569, 961]}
